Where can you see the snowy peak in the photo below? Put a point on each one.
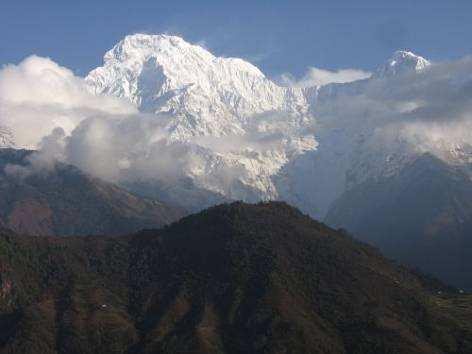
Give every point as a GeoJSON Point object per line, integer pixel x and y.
{"type": "Point", "coordinates": [166, 74]}
{"type": "Point", "coordinates": [137, 46]}
{"type": "Point", "coordinates": [402, 62]}
{"type": "Point", "coordinates": [236, 127]}
{"type": "Point", "coordinates": [171, 52]}
{"type": "Point", "coordinates": [141, 47]}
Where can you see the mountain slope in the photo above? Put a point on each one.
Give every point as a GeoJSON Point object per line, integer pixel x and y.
{"type": "Point", "coordinates": [421, 216]}
{"type": "Point", "coordinates": [62, 200]}
{"type": "Point", "coordinates": [232, 279]}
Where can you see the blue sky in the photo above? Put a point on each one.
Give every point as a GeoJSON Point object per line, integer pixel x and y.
{"type": "Point", "coordinates": [278, 36]}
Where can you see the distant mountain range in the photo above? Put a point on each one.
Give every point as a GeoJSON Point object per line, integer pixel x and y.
{"type": "Point", "coordinates": [232, 279]}
{"type": "Point", "coordinates": [62, 200]}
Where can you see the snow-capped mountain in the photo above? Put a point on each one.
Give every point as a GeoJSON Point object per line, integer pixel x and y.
{"type": "Point", "coordinates": [210, 95]}
{"type": "Point", "coordinates": [240, 125]}
{"type": "Point", "coordinates": [402, 62]}
{"type": "Point", "coordinates": [251, 139]}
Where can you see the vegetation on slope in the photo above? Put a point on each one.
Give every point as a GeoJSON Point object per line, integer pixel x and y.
{"type": "Point", "coordinates": [232, 279]}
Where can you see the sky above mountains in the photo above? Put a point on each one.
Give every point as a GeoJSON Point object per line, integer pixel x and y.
{"type": "Point", "coordinates": [279, 36]}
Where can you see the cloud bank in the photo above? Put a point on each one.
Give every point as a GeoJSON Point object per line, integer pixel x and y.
{"type": "Point", "coordinates": [38, 95]}
{"type": "Point", "coordinates": [320, 77]}
{"type": "Point", "coordinates": [430, 109]}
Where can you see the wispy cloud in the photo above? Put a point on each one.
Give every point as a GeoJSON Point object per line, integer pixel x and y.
{"type": "Point", "coordinates": [319, 77]}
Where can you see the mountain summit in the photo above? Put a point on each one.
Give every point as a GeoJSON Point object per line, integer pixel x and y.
{"type": "Point", "coordinates": [166, 74]}
{"type": "Point", "coordinates": [402, 62]}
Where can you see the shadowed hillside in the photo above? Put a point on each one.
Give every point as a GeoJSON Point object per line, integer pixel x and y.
{"type": "Point", "coordinates": [422, 217]}
{"type": "Point", "coordinates": [232, 279]}
{"type": "Point", "coordinates": [62, 200]}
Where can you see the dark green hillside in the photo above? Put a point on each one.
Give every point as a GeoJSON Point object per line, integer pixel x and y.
{"type": "Point", "coordinates": [234, 278]}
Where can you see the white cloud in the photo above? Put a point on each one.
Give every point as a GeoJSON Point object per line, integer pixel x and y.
{"type": "Point", "coordinates": [319, 77]}
{"type": "Point", "coordinates": [38, 95]}
{"type": "Point", "coordinates": [411, 113]}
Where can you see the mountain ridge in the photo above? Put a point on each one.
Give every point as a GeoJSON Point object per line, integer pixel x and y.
{"type": "Point", "coordinates": [234, 278]}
